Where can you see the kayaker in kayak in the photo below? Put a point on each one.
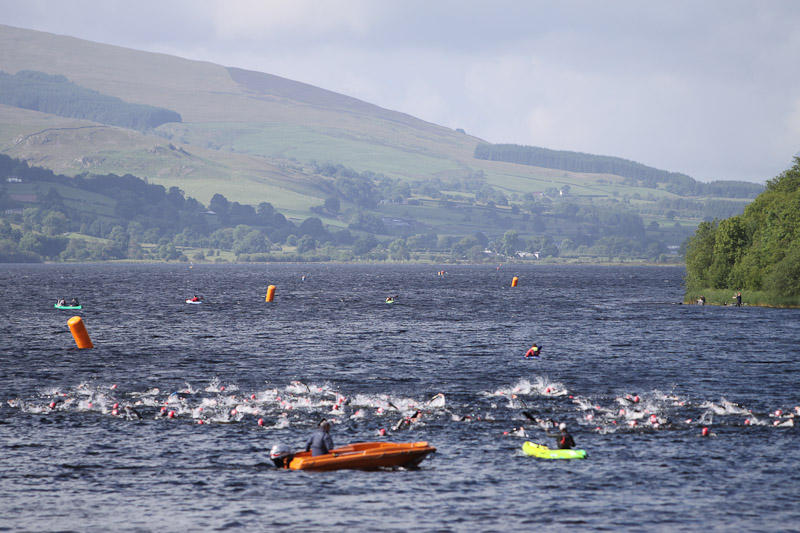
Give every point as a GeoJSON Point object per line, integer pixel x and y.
{"type": "Point", "coordinates": [195, 298]}
{"type": "Point", "coordinates": [320, 442]}
{"type": "Point", "coordinates": [74, 302]}
{"type": "Point", "coordinates": [565, 440]}
{"type": "Point", "coordinates": [534, 351]}
{"type": "Point", "coordinates": [62, 301]}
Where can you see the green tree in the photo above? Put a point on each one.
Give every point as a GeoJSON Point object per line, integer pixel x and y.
{"type": "Point", "coordinates": [364, 245]}
{"type": "Point", "coordinates": [509, 244]}
{"type": "Point", "coordinates": [306, 243]}
{"type": "Point", "coordinates": [54, 223]}
{"type": "Point", "coordinates": [543, 245]}
{"type": "Point", "coordinates": [252, 242]}
{"type": "Point", "coordinates": [461, 248]}
{"type": "Point", "coordinates": [730, 244]}
{"type": "Point", "coordinates": [398, 250]}
{"type": "Point", "coordinates": [119, 242]}
{"type": "Point", "coordinates": [784, 277]}
{"type": "Point", "coordinates": [332, 205]}
{"type": "Point", "coordinates": [700, 256]}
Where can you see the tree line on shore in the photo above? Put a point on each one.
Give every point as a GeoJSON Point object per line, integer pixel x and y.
{"type": "Point", "coordinates": [758, 250]}
{"type": "Point", "coordinates": [130, 218]}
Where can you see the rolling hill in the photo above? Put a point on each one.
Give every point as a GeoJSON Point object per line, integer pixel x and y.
{"type": "Point", "coordinates": [255, 137]}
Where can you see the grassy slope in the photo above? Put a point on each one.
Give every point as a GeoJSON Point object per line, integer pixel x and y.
{"type": "Point", "coordinates": [245, 134]}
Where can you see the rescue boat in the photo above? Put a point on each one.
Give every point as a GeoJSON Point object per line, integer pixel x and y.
{"type": "Point", "coordinates": [358, 456]}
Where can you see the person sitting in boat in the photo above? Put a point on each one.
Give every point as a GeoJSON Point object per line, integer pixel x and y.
{"type": "Point", "coordinates": [390, 299]}
{"type": "Point", "coordinates": [195, 298]}
{"type": "Point", "coordinates": [320, 442]}
{"type": "Point", "coordinates": [534, 351]}
{"type": "Point", "coordinates": [62, 301]}
{"type": "Point", "coordinates": [74, 302]}
{"type": "Point", "coordinates": [565, 440]}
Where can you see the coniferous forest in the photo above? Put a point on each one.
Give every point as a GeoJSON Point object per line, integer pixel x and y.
{"type": "Point", "coordinates": [57, 95]}
{"type": "Point", "coordinates": [636, 173]}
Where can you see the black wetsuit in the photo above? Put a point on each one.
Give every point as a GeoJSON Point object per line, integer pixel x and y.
{"type": "Point", "coordinates": [566, 442]}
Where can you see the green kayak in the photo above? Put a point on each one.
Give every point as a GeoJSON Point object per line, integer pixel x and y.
{"type": "Point", "coordinates": [67, 306]}
{"type": "Point", "coordinates": [543, 452]}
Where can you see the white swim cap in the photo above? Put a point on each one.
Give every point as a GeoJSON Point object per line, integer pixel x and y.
{"type": "Point", "coordinates": [562, 425]}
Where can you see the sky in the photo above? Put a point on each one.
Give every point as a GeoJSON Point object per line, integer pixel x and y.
{"type": "Point", "coordinates": [706, 88]}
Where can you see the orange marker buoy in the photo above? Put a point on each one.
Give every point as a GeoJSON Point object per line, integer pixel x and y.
{"type": "Point", "coordinates": [79, 332]}
{"type": "Point", "coordinates": [514, 281]}
{"type": "Point", "coordinates": [270, 293]}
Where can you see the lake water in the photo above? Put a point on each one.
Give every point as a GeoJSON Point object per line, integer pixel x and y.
{"type": "Point", "coordinates": [610, 335]}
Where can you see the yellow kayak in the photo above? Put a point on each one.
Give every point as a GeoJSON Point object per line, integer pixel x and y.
{"type": "Point", "coordinates": [543, 452]}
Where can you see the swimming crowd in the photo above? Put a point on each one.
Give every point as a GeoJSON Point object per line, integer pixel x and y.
{"type": "Point", "coordinates": [294, 403]}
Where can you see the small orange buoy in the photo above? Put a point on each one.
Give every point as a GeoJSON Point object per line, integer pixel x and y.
{"type": "Point", "coordinates": [270, 293]}
{"type": "Point", "coordinates": [514, 281]}
{"type": "Point", "coordinates": [79, 332]}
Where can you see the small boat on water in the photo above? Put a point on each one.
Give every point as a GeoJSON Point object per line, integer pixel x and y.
{"type": "Point", "coordinates": [67, 306]}
{"type": "Point", "coordinates": [543, 452]}
{"type": "Point", "coordinates": [358, 456]}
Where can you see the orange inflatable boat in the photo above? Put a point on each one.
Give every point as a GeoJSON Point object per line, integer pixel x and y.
{"type": "Point", "coordinates": [359, 456]}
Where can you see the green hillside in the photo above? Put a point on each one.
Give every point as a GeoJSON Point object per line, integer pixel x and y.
{"type": "Point", "coordinates": [255, 138]}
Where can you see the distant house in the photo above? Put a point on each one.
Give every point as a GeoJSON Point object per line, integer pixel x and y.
{"type": "Point", "coordinates": [528, 255]}
{"type": "Point", "coordinates": [14, 179]}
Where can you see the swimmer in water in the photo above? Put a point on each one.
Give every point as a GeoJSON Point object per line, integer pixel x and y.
{"type": "Point", "coordinates": [534, 351]}
{"type": "Point", "coordinates": [407, 421]}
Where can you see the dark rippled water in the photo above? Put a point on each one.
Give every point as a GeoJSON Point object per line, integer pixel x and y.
{"type": "Point", "coordinates": [330, 339]}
